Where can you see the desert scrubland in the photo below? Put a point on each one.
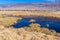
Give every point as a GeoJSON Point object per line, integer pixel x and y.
{"type": "Point", "coordinates": [46, 12]}
{"type": "Point", "coordinates": [31, 32]}
{"type": "Point", "coordinates": [8, 21]}
{"type": "Point", "coordinates": [33, 13]}
{"type": "Point", "coordinates": [22, 34]}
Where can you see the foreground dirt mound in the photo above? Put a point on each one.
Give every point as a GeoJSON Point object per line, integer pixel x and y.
{"type": "Point", "coordinates": [21, 34]}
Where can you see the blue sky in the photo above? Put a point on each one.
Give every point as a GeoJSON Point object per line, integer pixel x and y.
{"type": "Point", "coordinates": [23, 1]}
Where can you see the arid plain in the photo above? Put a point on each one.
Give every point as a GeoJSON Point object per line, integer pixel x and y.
{"type": "Point", "coordinates": [8, 18]}
{"type": "Point", "coordinates": [32, 13]}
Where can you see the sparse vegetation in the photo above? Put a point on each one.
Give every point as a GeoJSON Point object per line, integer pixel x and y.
{"type": "Point", "coordinates": [8, 21]}
{"type": "Point", "coordinates": [37, 28]}
{"type": "Point", "coordinates": [34, 13]}
{"type": "Point", "coordinates": [21, 34]}
{"type": "Point", "coordinates": [32, 20]}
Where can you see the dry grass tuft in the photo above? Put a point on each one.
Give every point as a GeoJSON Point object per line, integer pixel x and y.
{"type": "Point", "coordinates": [7, 21]}
{"type": "Point", "coordinates": [37, 28]}
{"type": "Point", "coordinates": [21, 34]}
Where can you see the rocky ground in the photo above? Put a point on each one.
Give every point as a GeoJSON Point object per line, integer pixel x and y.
{"type": "Point", "coordinates": [21, 34]}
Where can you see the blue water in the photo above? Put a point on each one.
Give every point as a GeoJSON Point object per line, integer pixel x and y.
{"type": "Point", "coordinates": [25, 22]}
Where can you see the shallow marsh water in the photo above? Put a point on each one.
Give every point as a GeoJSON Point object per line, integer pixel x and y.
{"type": "Point", "coordinates": [53, 22]}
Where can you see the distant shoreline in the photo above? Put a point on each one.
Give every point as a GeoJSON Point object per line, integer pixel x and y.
{"type": "Point", "coordinates": [32, 10]}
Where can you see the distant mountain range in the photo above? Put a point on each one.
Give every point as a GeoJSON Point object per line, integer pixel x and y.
{"type": "Point", "coordinates": [31, 6]}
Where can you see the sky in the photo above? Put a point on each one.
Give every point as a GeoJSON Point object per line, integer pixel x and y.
{"type": "Point", "coordinates": [23, 1]}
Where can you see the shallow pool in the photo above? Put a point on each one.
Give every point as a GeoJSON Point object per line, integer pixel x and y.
{"type": "Point", "coordinates": [25, 22]}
